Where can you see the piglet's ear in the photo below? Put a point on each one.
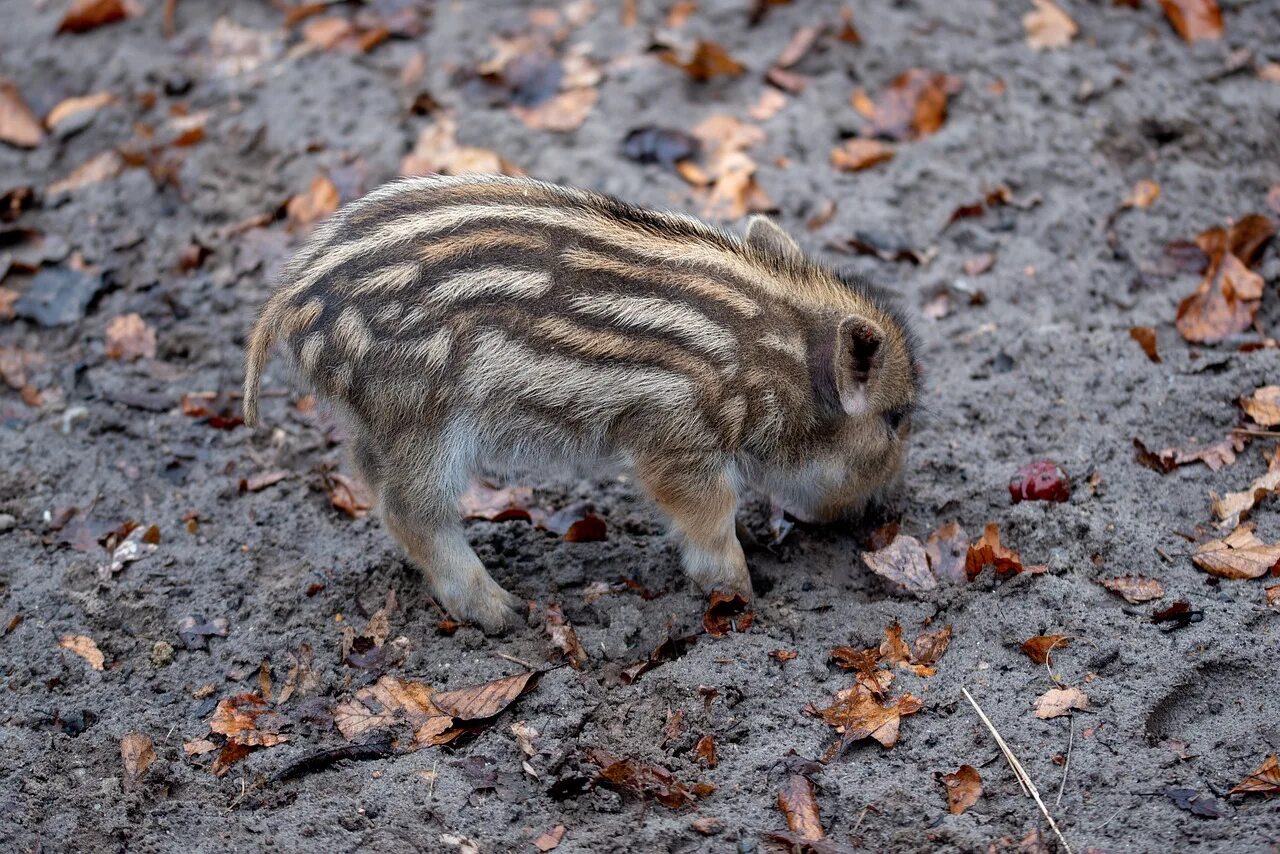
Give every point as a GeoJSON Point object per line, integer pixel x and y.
{"type": "Point", "coordinates": [858, 358]}
{"type": "Point", "coordinates": [767, 236]}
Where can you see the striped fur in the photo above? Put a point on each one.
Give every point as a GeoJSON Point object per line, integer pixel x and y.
{"type": "Point", "coordinates": [477, 322]}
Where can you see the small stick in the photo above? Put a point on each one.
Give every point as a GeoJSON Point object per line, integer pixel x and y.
{"type": "Point", "coordinates": [519, 661]}
{"type": "Point", "coordinates": [1264, 433]}
{"type": "Point", "coordinates": [1066, 766]}
{"type": "Point", "coordinates": [1019, 772]}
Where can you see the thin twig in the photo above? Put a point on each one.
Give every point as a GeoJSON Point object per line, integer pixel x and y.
{"type": "Point", "coordinates": [1018, 771]}
{"type": "Point", "coordinates": [1275, 434]}
{"type": "Point", "coordinates": [514, 660]}
{"type": "Point", "coordinates": [1066, 766]}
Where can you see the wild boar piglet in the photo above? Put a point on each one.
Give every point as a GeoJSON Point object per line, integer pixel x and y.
{"type": "Point", "coordinates": [482, 324]}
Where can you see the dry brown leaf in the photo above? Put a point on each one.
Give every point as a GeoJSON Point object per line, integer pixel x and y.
{"type": "Point", "coordinates": [101, 167]}
{"type": "Point", "coordinates": [1134, 588]}
{"type": "Point", "coordinates": [83, 646]}
{"type": "Point", "coordinates": [705, 750]}
{"type": "Point", "coordinates": [1273, 597]}
{"type": "Point", "coordinates": [437, 150]}
{"type": "Point", "coordinates": [1194, 19]}
{"type": "Point", "coordinates": [348, 495]}
{"type": "Point", "coordinates": [390, 701]}
{"type": "Point", "coordinates": [913, 106]}
{"type": "Point", "coordinates": [329, 32]}
{"type": "Point", "coordinates": [562, 113]}
{"type": "Point", "coordinates": [486, 700]}
{"type": "Point", "coordinates": [964, 787]}
{"type": "Point", "coordinates": [1230, 293]}
{"type": "Point", "coordinates": [261, 480]}
{"type": "Point", "coordinates": [564, 638]}
{"type": "Point", "coordinates": [319, 201]}
{"type": "Point", "coordinates": [857, 154]}
{"type": "Point", "coordinates": [548, 840]}
{"type": "Point", "coordinates": [799, 806]}
{"type": "Point", "coordinates": [726, 612]}
{"type": "Point", "coordinates": [1239, 555]}
{"type": "Point", "coordinates": [771, 101]}
{"type": "Point", "coordinates": [1048, 26]}
{"type": "Point", "coordinates": [988, 551]}
{"type": "Point", "coordinates": [1263, 406]}
{"type": "Point", "coordinates": [645, 780]}
{"type": "Point", "coordinates": [1060, 701]}
{"type": "Point", "coordinates": [482, 501]}
{"type": "Point", "coordinates": [137, 753]}
{"type": "Point", "coordinates": [708, 60]}
{"type": "Point", "coordinates": [904, 563]}
{"type": "Point", "coordinates": [729, 171]}
{"type": "Point", "coordinates": [1146, 338]}
{"type": "Point", "coordinates": [1214, 456]}
{"type": "Point", "coordinates": [979, 264]}
{"type": "Point", "coordinates": [1264, 780]}
{"type": "Point", "coordinates": [857, 714]}
{"type": "Point", "coordinates": [79, 105]}
{"type": "Point", "coordinates": [18, 125]}
{"type": "Point", "coordinates": [129, 338]}
{"type": "Point", "coordinates": [198, 747]}
{"type": "Point", "coordinates": [929, 646]}
{"type": "Point", "coordinates": [1231, 506]}
{"type": "Point", "coordinates": [85, 15]}
{"type": "Point", "coordinates": [237, 718]}
{"type": "Point", "coordinates": [1039, 647]}
{"type": "Point", "coordinates": [1143, 195]}
{"type": "Point", "coordinates": [947, 550]}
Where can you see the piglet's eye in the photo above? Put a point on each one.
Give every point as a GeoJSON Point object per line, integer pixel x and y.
{"type": "Point", "coordinates": [894, 418]}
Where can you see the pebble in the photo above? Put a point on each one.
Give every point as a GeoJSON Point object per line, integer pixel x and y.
{"type": "Point", "coordinates": [162, 654]}
{"type": "Point", "coordinates": [7, 522]}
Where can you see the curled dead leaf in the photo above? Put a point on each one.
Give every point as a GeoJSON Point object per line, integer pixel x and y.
{"type": "Point", "coordinates": [1143, 195]}
{"type": "Point", "coordinates": [912, 107]}
{"type": "Point", "coordinates": [964, 787]}
{"type": "Point", "coordinates": [1263, 406]}
{"type": "Point", "coordinates": [646, 781]}
{"type": "Point", "coordinates": [799, 806]}
{"type": "Point", "coordinates": [1230, 293]}
{"type": "Point", "coordinates": [947, 550]}
{"type": "Point", "coordinates": [85, 15]}
{"type": "Point", "coordinates": [348, 494]}
{"type": "Point", "coordinates": [1134, 588]}
{"type": "Point", "coordinates": [726, 612]}
{"type": "Point", "coordinates": [1265, 779]}
{"type": "Point", "coordinates": [239, 719]}
{"type": "Point", "coordinates": [857, 154]}
{"type": "Point", "coordinates": [856, 714]}
{"type": "Point", "coordinates": [1048, 26]}
{"type": "Point", "coordinates": [18, 125]}
{"type": "Point", "coordinates": [1239, 555]}
{"type": "Point", "coordinates": [707, 61]}
{"type": "Point", "coordinates": [1194, 20]}
{"type": "Point", "coordinates": [564, 638]}
{"type": "Point", "coordinates": [319, 201]}
{"type": "Point", "coordinates": [137, 753]}
{"type": "Point", "coordinates": [129, 338]}
{"type": "Point", "coordinates": [989, 551]}
{"type": "Point", "coordinates": [1146, 338]}
{"type": "Point", "coordinates": [438, 150]}
{"type": "Point", "coordinates": [1214, 456]}
{"type": "Point", "coordinates": [103, 166]}
{"type": "Point", "coordinates": [84, 646]}
{"type": "Point", "coordinates": [904, 563]}
{"type": "Point", "coordinates": [1039, 647]}
{"type": "Point", "coordinates": [1060, 701]}
{"type": "Point", "coordinates": [1230, 507]}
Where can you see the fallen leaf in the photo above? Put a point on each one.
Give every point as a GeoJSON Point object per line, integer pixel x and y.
{"type": "Point", "coordinates": [238, 719]}
{"type": "Point", "coordinates": [18, 125]}
{"type": "Point", "coordinates": [348, 494]}
{"type": "Point", "coordinates": [79, 107]}
{"type": "Point", "coordinates": [904, 563]}
{"type": "Point", "coordinates": [705, 750]}
{"type": "Point", "coordinates": [1146, 338]}
{"type": "Point", "coordinates": [1180, 613]}
{"type": "Point", "coordinates": [437, 150]}
{"type": "Point", "coordinates": [978, 265]}
{"type": "Point", "coordinates": [1143, 195]}
{"type": "Point", "coordinates": [708, 825]}
{"type": "Point", "coordinates": [218, 409]}
{"type": "Point", "coordinates": [562, 113]}
{"type": "Point", "coordinates": [390, 701]}
{"type": "Point", "coordinates": [195, 631]}
{"type": "Point", "coordinates": [1060, 701]}
{"type": "Point", "coordinates": [670, 649]}
{"type": "Point", "coordinates": [1134, 588]}
{"type": "Point", "coordinates": [783, 654]}
{"type": "Point", "coordinates": [708, 60]}
{"type": "Point", "coordinates": [1214, 456]}
{"type": "Point", "coordinates": [645, 780]}
{"type": "Point", "coordinates": [364, 648]}
{"type": "Point", "coordinates": [857, 154]}
{"type": "Point", "coordinates": [799, 806]}
{"type": "Point", "coordinates": [1239, 555]}
{"type": "Point", "coordinates": [575, 523]}
{"type": "Point", "coordinates": [1263, 780]}
{"type": "Point", "coordinates": [1040, 480]}
{"type": "Point", "coordinates": [1048, 26]}
{"type": "Point", "coordinates": [726, 612]}
{"type": "Point", "coordinates": [770, 103]}
{"type": "Point", "coordinates": [947, 550]}
{"type": "Point", "coordinates": [476, 702]}
{"type": "Point", "coordinates": [1230, 293]}
{"type": "Point", "coordinates": [988, 551]}
{"type": "Point", "coordinates": [999, 196]}
{"type": "Point", "coordinates": [85, 15]}
{"type": "Point", "coordinates": [319, 201]}
{"type": "Point", "coordinates": [236, 50]}
{"type": "Point", "coordinates": [914, 105]}
{"type": "Point", "coordinates": [198, 747]}
{"type": "Point", "coordinates": [1194, 20]}
{"type": "Point", "coordinates": [930, 646]}
{"type": "Point", "coordinates": [729, 172]}
{"type": "Point", "coordinates": [83, 646]}
{"type": "Point", "coordinates": [137, 753]}
{"type": "Point", "coordinates": [1230, 507]}
{"type": "Point", "coordinates": [549, 839]}
{"type": "Point", "coordinates": [1194, 802]}
{"type": "Point", "coordinates": [129, 338]}
{"type": "Point", "coordinates": [1039, 647]}
{"type": "Point", "coordinates": [857, 714]}
{"type": "Point", "coordinates": [1263, 406]}
{"type": "Point", "coordinates": [964, 787]}
{"type": "Point", "coordinates": [261, 480]}
{"type": "Point", "coordinates": [1273, 597]}
{"type": "Point", "coordinates": [101, 167]}
{"type": "Point", "coordinates": [483, 501]}
{"type": "Point", "coordinates": [564, 638]}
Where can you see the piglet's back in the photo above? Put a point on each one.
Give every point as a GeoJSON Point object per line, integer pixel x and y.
{"type": "Point", "coordinates": [519, 299]}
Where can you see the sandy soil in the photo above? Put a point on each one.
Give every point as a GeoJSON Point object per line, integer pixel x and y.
{"type": "Point", "coordinates": [1044, 368]}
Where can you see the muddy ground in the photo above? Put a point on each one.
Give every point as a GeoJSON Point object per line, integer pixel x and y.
{"type": "Point", "coordinates": [1045, 368]}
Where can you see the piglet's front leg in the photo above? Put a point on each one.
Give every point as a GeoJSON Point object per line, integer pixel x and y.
{"type": "Point", "coordinates": [701, 501]}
